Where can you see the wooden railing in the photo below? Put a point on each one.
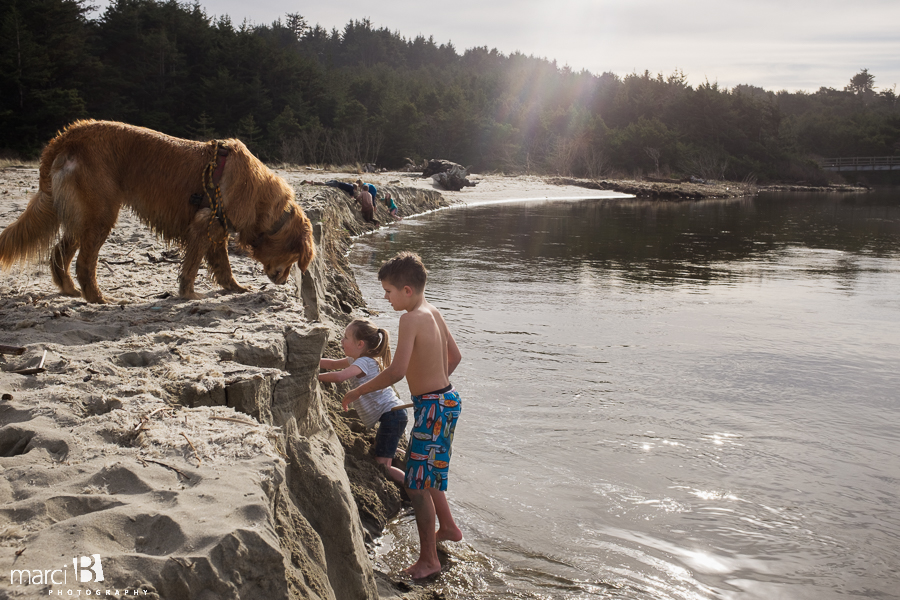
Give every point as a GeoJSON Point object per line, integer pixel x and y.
{"type": "Point", "coordinates": [862, 163]}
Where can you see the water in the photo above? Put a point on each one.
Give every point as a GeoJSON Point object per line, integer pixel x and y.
{"type": "Point", "coordinates": [667, 400]}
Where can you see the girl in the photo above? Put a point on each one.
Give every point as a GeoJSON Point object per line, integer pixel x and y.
{"type": "Point", "coordinates": [391, 206]}
{"type": "Point", "coordinates": [368, 351]}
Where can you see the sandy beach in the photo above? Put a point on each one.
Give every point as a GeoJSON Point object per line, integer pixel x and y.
{"type": "Point", "coordinates": [186, 443]}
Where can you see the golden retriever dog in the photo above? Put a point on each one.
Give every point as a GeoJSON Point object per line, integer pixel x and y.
{"type": "Point", "coordinates": [192, 193]}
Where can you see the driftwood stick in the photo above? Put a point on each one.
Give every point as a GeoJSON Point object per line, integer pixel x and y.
{"type": "Point", "coordinates": [162, 464]}
{"type": "Point", "coordinates": [402, 406]}
{"type": "Point", "coordinates": [12, 350]}
{"type": "Point", "coordinates": [146, 418]}
{"type": "Point", "coordinates": [106, 264]}
{"type": "Point", "coordinates": [278, 450]}
{"type": "Point", "coordinates": [34, 370]}
{"type": "Point", "coordinates": [191, 444]}
{"type": "Point", "coordinates": [233, 420]}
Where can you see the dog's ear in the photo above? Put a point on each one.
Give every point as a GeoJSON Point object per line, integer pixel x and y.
{"type": "Point", "coordinates": [307, 250]}
{"type": "Point", "coordinates": [301, 239]}
{"type": "Point", "coordinates": [304, 262]}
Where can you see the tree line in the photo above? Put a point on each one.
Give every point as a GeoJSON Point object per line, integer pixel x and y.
{"type": "Point", "coordinates": [304, 94]}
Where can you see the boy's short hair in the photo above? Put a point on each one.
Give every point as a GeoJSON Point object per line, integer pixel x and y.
{"type": "Point", "coordinates": [404, 269]}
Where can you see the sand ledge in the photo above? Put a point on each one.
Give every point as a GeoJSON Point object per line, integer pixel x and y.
{"type": "Point", "coordinates": [186, 443]}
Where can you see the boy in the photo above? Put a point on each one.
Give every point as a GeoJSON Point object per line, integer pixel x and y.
{"type": "Point", "coordinates": [367, 207]}
{"type": "Point", "coordinates": [426, 355]}
{"type": "Point", "coordinates": [369, 188]}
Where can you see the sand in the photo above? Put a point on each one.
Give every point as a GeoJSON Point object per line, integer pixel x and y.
{"type": "Point", "coordinates": [187, 443]}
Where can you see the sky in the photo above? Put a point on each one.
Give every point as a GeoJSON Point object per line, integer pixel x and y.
{"type": "Point", "coordinates": [774, 44]}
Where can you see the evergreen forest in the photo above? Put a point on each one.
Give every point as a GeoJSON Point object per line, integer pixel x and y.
{"type": "Point", "coordinates": [302, 94]}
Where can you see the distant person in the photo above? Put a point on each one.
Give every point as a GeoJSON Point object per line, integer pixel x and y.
{"type": "Point", "coordinates": [341, 185]}
{"type": "Point", "coordinates": [347, 187]}
{"type": "Point", "coordinates": [426, 355]}
{"type": "Point", "coordinates": [366, 206]}
{"type": "Point", "coordinates": [369, 187]}
{"type": "Point", "coordinates": [391, 206]}
{"type": "Point", "coordinates": [368, 350]}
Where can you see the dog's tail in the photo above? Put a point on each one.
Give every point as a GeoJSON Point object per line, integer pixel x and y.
{"type": "Point", "coordinates": [29, 237]}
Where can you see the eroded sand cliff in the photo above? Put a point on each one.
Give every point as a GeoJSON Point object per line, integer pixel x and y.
{"type": "Point", "coordinates": [187, 443]}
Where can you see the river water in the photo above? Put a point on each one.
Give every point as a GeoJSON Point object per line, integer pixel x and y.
{"type": "Point", "coordinates": [688, 400]}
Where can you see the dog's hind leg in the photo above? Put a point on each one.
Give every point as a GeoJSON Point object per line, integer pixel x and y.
{"type": "Point", "coordinates": [59, 265]}
{"type": "Point", "coordinates": [87, 204]}
{"type": "Point", "coordinates": [91, 239]}
{"type": "Point", "coordinates": [220, 267]}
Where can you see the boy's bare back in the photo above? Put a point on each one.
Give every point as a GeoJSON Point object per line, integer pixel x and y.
{"type": "Point", "coordinates": [428, 368]}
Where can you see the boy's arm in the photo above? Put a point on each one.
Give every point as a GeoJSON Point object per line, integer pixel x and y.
{"type": "Point", "coordinates": [454, 356]}
{"type": "Point", "coordinates": [339, 376]}
{"type": "Point", "coordinates": [406, 337]}
{"type": "Point", "coordinates": [332, 364]}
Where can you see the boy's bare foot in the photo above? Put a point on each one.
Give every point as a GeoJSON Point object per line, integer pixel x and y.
{"type": "Point", "coordinates": [448, 534]}
{"type": "Point", "coordinates": [422, 569]}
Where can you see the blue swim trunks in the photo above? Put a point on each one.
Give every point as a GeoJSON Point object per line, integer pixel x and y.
{"type": "Point", "coordinates": [430, 443]}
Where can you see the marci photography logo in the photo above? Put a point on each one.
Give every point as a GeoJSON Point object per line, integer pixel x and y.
{"type": "Point", "coordinates": [88, 569]}
{"type": "Point", "coordinates": [84, 570]}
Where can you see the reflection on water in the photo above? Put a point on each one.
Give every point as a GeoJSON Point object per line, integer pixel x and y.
{"type": "Point", "coordinates": [667, 400]}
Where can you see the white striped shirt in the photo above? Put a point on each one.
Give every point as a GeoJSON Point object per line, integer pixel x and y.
{"type": "Point", "coordinates": [371, 406]}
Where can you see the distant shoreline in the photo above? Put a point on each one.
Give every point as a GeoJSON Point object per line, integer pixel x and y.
{"type": "Point", "coordinates": [497, 187]}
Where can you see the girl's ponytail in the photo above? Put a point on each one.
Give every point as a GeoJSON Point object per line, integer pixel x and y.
{"type": "Point", "coordinates": [383, 351]}
{"type": "Point", "coordinates": [377, 341]}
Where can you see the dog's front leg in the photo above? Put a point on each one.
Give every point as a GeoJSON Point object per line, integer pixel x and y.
{"type": "Point", "coordinates": [220, 267]}
{"type": "Point", "coordinates": [195, 247]}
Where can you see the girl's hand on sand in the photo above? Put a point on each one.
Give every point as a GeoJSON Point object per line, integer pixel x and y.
{"type": "Point", "coordinates": [349, 398]}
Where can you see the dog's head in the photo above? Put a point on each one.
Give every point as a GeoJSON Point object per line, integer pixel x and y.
{"type": "Point", "coordinates": [250, 189]}
{"type": "Point", "coordinates": [291, 243]}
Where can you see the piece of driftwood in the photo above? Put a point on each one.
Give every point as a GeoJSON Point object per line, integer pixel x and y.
{"type": "Point", "coordinates": [233, 420]}
{"type": "Point", "coordinates": [439, 165]}
{"type": "Point", "coordinates": [146, 418]}
{"type": "Point", "coordinates": [34, 370]}
{"type": "Point", "coordinates": [402, 407]}
{"type": "Point", "coordinates": [412, 166]}
{"type": "Point", "coordinates": [11, 350]}
{"type": "Point", "coordinates": [162, 464]}
{"type": "Point", "coordinates": [453, 180]}
{"type": "Point", "coordinates": [191, 444]}
{"type": "Point", "coordinates": [448, 175]}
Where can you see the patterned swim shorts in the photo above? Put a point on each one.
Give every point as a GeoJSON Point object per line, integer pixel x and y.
{"type": "Point", "coordinates": [431, 440]}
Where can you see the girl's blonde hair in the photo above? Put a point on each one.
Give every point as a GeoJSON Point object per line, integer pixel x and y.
{"type": "Point", "coordinates": [376, 339]}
